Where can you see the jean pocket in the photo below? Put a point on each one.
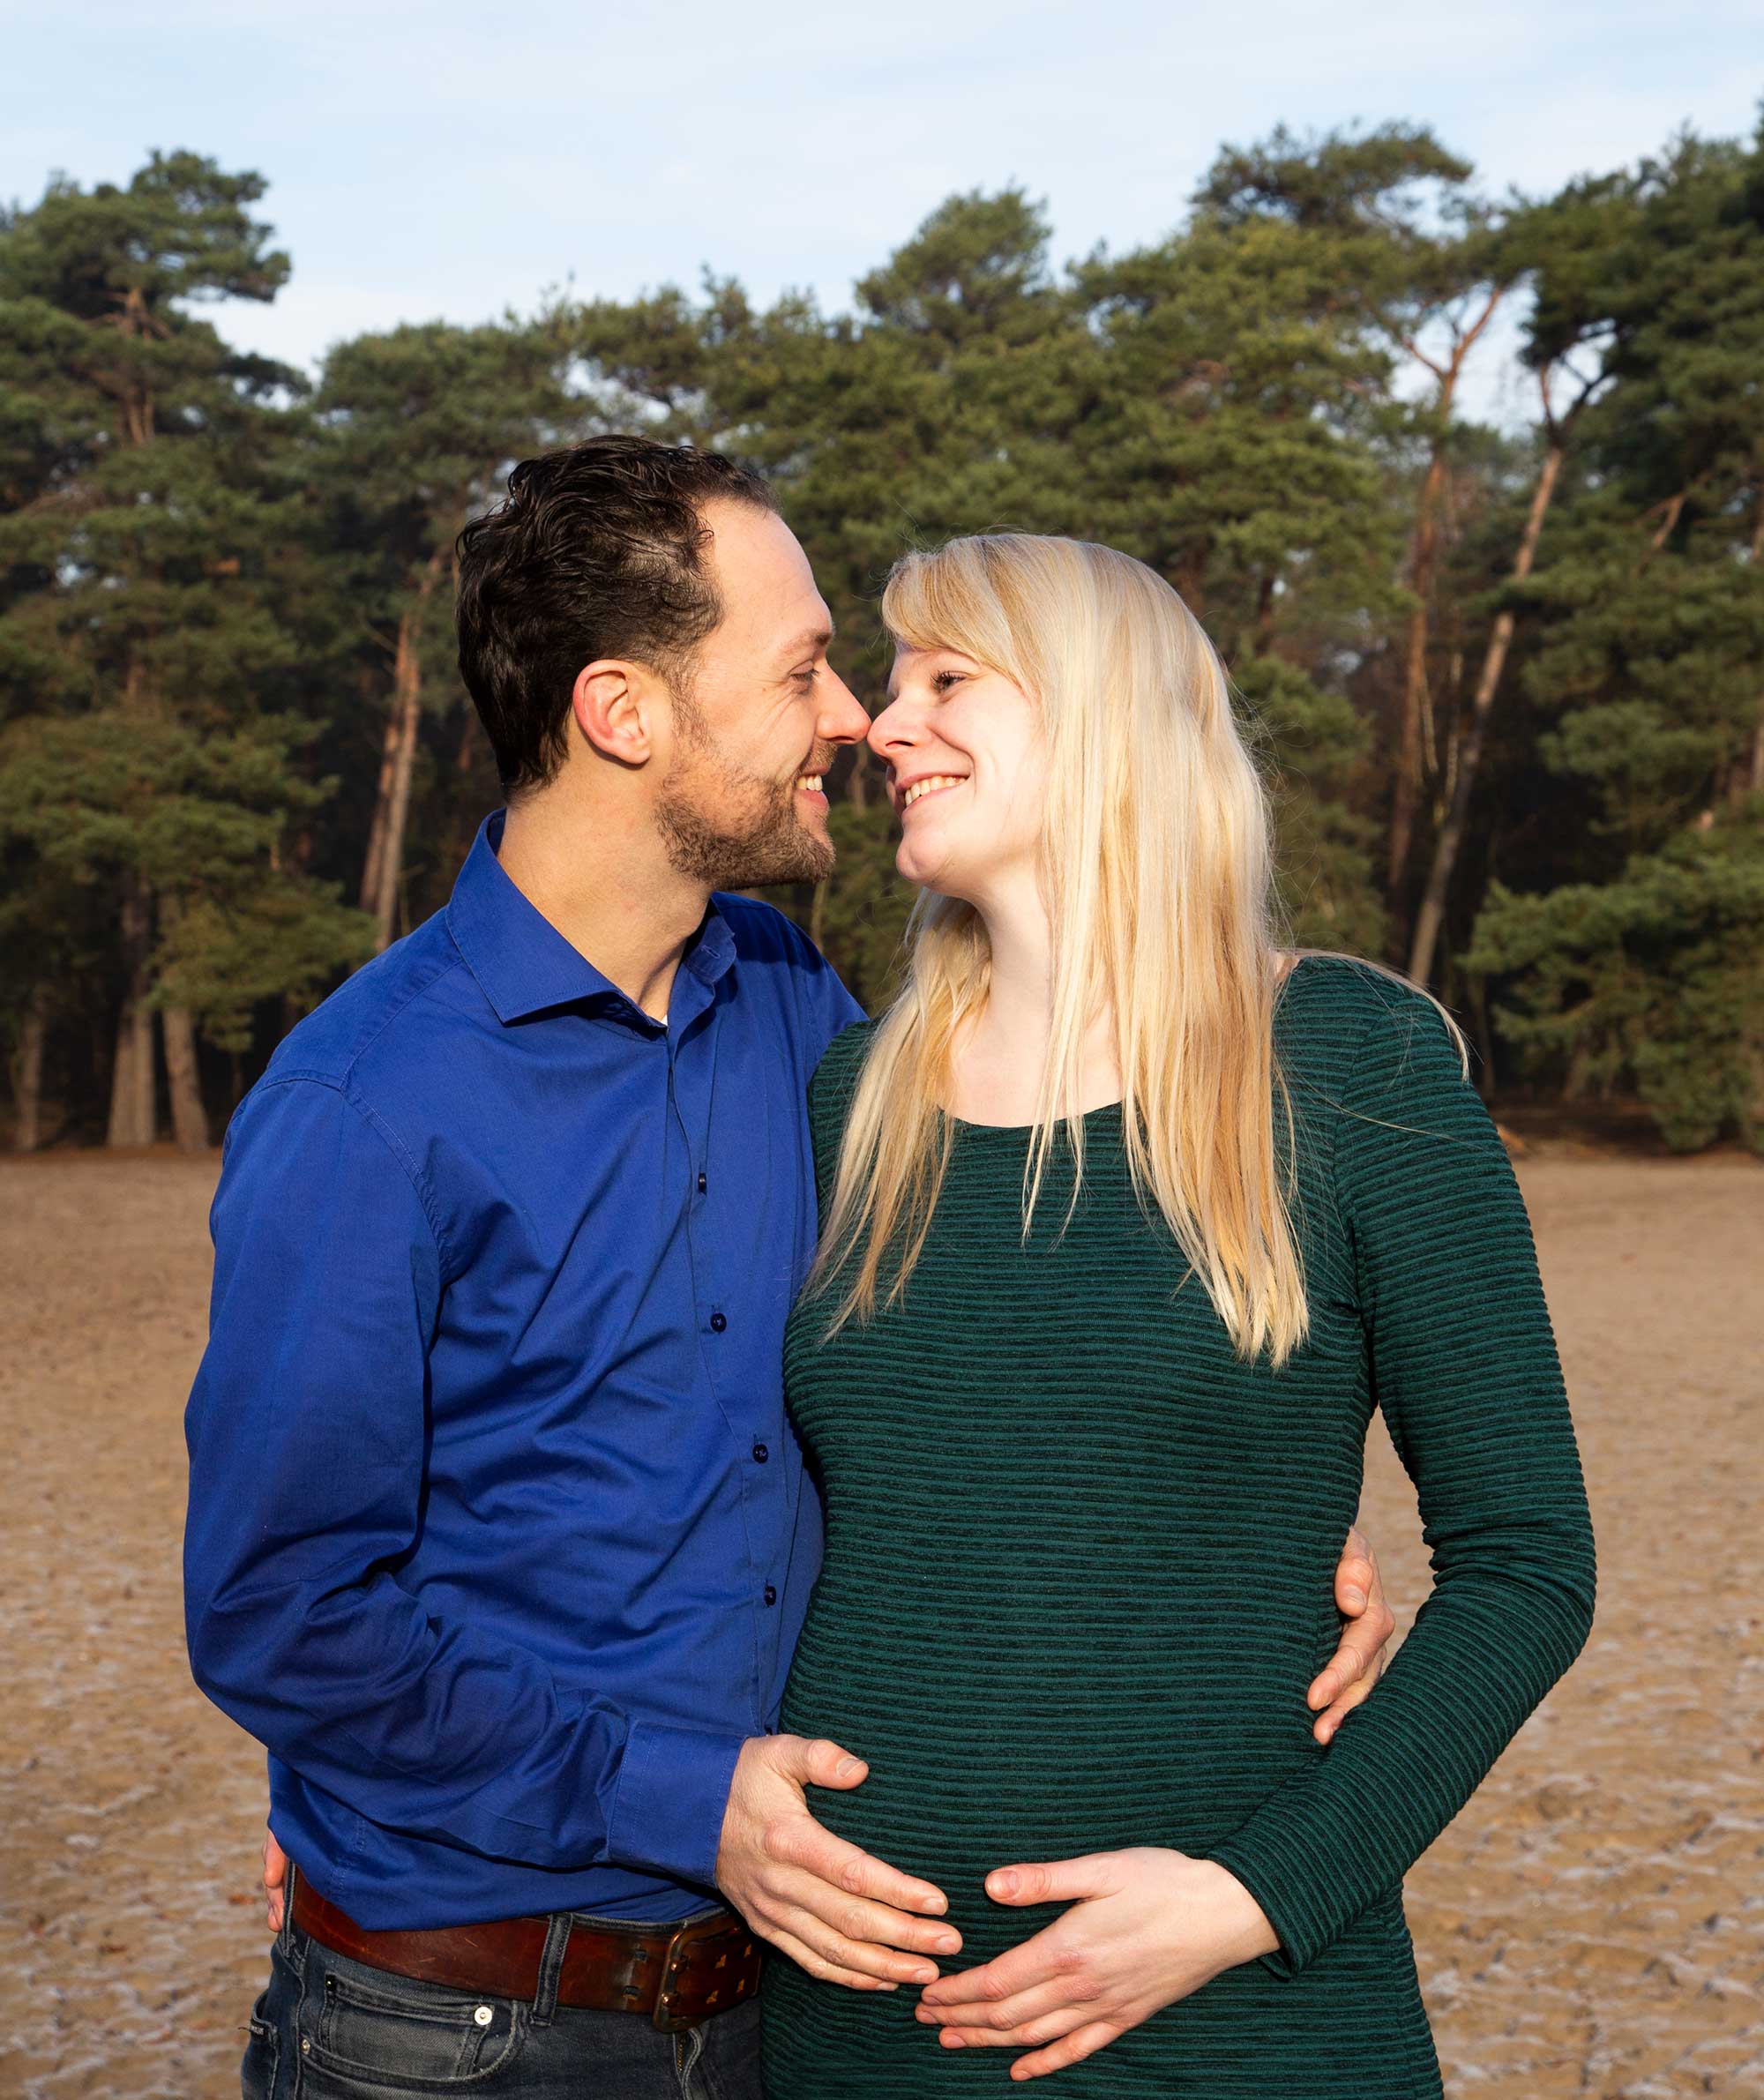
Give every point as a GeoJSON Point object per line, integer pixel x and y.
{"type": "Point", "coordinates": [373, 2034]}
{"type": "Point", "coordinates": [263, 2057]}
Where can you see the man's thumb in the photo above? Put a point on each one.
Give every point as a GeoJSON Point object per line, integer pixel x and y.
{"type": "Point", "coordinates": [825, 1765]}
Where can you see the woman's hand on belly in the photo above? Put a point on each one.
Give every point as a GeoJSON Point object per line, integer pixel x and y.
{"type": "Point", "coordinates": [1146, 1927]}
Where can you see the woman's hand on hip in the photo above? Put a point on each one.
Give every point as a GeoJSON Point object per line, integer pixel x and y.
{"type": "Point", "coordinates": [1146, 1927]}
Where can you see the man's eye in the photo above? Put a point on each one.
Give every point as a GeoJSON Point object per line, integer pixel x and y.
{"type": "Point", "coordinates": [807, 678]}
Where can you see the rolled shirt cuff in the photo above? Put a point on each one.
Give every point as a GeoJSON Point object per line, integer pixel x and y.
{"type": "Point", "coordinates": [673, 1790]}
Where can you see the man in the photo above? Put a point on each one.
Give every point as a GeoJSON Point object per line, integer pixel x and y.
{"type": "Point", "coordinates": [500, 1537]}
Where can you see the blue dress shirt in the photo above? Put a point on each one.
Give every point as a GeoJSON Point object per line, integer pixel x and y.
{"type": "Point", "coordinates": [500, 1537]}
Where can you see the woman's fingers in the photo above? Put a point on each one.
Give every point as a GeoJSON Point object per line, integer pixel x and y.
{"type": "Point", "coordinates": [1024, 1967]}
{"type": "Point", "coordinates": [1070, 2049]}
{"type": "Point", "coordinates": [1023, 2019]}
{"type": "Point", "coordinates": [1031, 2034]}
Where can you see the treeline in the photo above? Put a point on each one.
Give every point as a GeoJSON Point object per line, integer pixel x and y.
{"type": "Point", "coordinates": [1509, 688]}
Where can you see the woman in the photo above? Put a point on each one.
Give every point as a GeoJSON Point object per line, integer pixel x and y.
{"type": "Point", "coordinates": [1129, 1221]}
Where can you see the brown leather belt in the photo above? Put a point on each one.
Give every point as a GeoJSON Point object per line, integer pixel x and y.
{"type": "Point", "coordinates": [678, 1974]}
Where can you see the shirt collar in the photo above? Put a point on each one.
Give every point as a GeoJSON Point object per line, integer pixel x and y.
{"type": "Point", "coordinates": [522, 963]}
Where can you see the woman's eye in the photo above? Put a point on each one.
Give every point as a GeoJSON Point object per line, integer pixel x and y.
{"type": "Point", "coordinates": [943, 680]}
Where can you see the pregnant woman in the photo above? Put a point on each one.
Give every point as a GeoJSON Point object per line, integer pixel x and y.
{"type": "Point", "coordinates": [1129, 1222]}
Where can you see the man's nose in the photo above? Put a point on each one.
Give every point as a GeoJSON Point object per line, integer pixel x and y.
{"type": "Point", "coordinates": [843, 717]}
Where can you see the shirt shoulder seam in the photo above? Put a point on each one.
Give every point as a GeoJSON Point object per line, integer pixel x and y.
{"type": "Point", "coordinates": [342, 1085]}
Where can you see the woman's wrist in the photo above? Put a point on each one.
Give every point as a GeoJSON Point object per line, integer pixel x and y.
{"type": "Point", "coordinates": [1244, 1932]}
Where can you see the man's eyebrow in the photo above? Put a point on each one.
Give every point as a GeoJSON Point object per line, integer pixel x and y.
{"type": "Point", "coordinates": [816, 637]}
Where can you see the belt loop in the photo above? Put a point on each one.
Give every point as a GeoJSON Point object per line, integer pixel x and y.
{"type": "Point", "coordinates": [551, 1967]}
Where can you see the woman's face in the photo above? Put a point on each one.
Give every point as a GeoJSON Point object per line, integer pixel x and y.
{"type": "Point", "coordinates": [967, 773]}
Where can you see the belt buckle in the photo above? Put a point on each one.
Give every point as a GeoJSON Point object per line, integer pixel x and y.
{"type": "Point", "coordinates": [678, 1961]}
{"type": "Point", "coordinates": [667, 1989]}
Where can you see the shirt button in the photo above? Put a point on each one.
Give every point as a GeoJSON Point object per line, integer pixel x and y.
{"type": "Point", "coordinates": [760, 1454]}
{"type": "Point", "coordinates": [718, 1323]}
{"type": "Point", "coordinates": [770, 1594]}
{"type": "Point", "coordinates": [703, 1185]}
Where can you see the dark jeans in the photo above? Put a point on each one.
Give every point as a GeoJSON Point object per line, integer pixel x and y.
{"type": "Point", "coordinates": [329, 2029]}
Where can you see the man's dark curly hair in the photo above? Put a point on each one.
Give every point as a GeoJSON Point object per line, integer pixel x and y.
{"type": "Point", "coordinates": [597, 550]}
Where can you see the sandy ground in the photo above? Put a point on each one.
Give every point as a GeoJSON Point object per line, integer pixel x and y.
{"type": "Point", "coordinates": [1593, 1924]}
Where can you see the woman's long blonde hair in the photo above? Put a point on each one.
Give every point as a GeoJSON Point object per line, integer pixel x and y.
{"type": "Point", "coordinates": [1157, 868]}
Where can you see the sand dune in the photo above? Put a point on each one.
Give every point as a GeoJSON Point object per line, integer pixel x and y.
{"type": "Point", "coordinates": [1593, 1924]}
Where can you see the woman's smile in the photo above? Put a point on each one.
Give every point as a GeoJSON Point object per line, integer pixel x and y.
{"type": "Point", "coordinates": [926, 784]}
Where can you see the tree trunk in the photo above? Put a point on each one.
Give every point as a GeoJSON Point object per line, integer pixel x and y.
{"type": "Point", "coordinates": [27, 1073]}
{"type": "Point", "coordinates": [1424, 557]}
{"type": "Point", "coordinates": [370, 870]}
{"type": "Point", "coordinates": [133, 1115]}
{"type": "Point", "coordinates": [189, 1118]}
{"type": "Point", "coordinates": [133, 1077]}
{"type": "Point", "coordinates": [1408, 791]}
{"type": "Point", "coordinates": [1756, 782]}
{"type": "Point", "coordinates": [1433, 913]}
{"type": "Point", "coordinates": [385, 841]}
{"type": "Point", "coordinates": [407, 714]}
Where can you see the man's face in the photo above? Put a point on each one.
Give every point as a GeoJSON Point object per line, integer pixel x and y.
{"type": "Point", "coordinates": [761, 715]}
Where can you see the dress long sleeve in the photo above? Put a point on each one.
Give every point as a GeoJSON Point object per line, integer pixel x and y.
{"type": "Point", "coordinates": [1465, 1371]}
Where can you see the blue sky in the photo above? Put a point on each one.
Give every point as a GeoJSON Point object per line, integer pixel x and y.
{"type": "Point", "coordinates": [452, 159]}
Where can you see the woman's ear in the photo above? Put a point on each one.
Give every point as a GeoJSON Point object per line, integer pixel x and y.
{"type": "Point", "coordinates": [613, 702]}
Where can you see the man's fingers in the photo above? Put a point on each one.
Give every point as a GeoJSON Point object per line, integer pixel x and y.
{"type": "Point", "coordinates": [1359, 1656]}
{"type": "Point", "coordinates": [1353, 1584]}
{"type": "Point", "coordinates": [1356, 1694]}
{"type": "Point", "coordinates": [864, 1957]}
{"type": "Point", "coordinates": [275, 1882]}
{"type": "Point", "coordinates": [824, 1764]}
{"type": "Point", "coordinates": [806, 1843]}
{"type": "Point", "coordinates": [855, 1919]}
{"type": "Point", "coordinates": [828, 1972]}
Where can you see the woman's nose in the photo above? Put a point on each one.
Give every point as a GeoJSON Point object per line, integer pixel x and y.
{"type": "Point", "coordinates": [892, 730]}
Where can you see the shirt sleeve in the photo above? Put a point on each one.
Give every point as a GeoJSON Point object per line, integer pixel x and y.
{"type": "Point", "coordinates": [307, 1437]}
{"type": "Point", "coordinates": [1464, 1368]}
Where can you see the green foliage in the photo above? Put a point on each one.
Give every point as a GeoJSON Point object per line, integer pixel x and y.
{"type": "Point", "coordinates": [224, 594]}
{"type": "Point", "coordinates": [1654, 981]}
{"type": "Point", "coordinates": [90, 805]}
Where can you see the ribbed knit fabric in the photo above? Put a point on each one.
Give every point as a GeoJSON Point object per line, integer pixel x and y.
{"type": "Point", "coordinates": [1080, 1558]}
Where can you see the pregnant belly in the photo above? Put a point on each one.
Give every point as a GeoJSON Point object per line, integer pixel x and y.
{"type": "Point", "coordinates": [1032, 1741]}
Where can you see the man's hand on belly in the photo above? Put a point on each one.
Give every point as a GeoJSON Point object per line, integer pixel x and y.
{"type": "Point", "coordinates": [1146, 1926]}
{"type": "Point", "coordinates": [836, 1911]}
{"type": "Point", "coordinates": [1355, 1668]}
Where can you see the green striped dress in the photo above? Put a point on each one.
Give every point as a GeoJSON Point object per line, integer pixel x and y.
{"type": "Point", "coordinates": [1079, 1563]}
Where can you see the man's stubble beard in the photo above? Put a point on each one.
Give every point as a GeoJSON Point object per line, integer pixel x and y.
{"type": "Point", "coordinates": [729, 828]}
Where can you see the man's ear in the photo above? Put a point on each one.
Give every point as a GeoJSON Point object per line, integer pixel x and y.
{"type": "Point", "coordinates": [614, 703]}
